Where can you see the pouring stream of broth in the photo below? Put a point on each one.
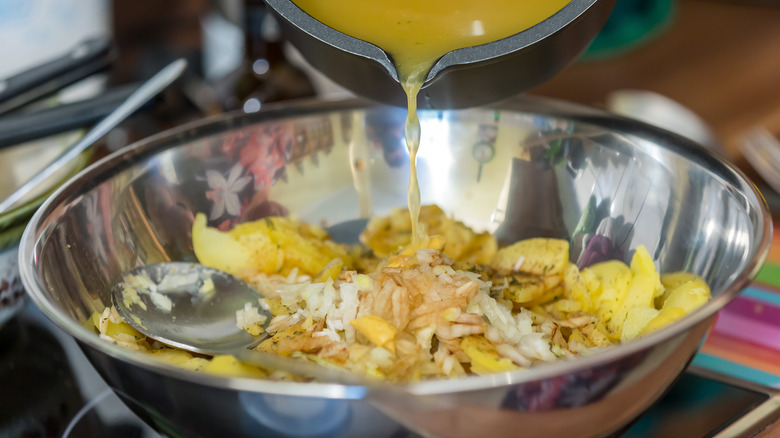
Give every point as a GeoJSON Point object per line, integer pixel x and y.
{"type": "Point", "coordinates": [416, 33]}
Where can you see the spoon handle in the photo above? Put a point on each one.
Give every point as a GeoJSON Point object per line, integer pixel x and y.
{"type": "Point", "coordinates": [151, 88]}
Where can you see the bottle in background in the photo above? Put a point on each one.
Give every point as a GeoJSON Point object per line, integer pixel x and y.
{"type": "Point", "coordinates": [264, 74]}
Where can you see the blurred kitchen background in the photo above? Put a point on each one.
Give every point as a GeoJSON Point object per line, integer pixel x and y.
{"type": "Point", "coordinates": [709, 69]}
{"type": "Point", "coordinates": [718, 59]}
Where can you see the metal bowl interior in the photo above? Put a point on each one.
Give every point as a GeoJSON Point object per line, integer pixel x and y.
{"type": "Point", "coordinates": [526, 168]}
{"type": "Point", "coordinates": [462, 78]}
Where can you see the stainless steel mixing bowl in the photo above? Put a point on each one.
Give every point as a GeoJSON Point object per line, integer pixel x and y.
{"type": "Point", "coordinates": [526, 168]}
{"type": "Point", "coordinates": [460, 79]}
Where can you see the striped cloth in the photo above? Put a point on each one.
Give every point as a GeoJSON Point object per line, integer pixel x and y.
{"type": "Point", "coordinates": [745, 339]}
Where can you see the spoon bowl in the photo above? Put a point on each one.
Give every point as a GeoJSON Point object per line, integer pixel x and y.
{"type": "Point", "coordinates": [187, 305]}
{"type": "Point", "coordinates": [193, 307]}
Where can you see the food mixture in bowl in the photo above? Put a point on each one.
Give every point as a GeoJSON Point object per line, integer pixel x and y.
{"type": "Point", "coordinates": [453, 304]}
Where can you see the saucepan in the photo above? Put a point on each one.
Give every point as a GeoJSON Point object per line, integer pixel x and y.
{"type": "Point", "coordinates": [461, 78]}
{"type": "Point", "coordinates": [527, 167]}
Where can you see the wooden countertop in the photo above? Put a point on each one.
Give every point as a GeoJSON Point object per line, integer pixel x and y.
{"type": "Point", "coordinates": [721, 59]}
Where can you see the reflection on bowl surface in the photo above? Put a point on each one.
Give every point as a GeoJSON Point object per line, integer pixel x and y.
{"type": "Point", "coordinates": [524, 169]}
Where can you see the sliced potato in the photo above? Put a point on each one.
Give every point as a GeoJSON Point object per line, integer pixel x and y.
{"type": "Point", "coordinates": [220, 250]}
{"type": "Point", "coordinates": [637, 319]}
{"type": "Point", "coordinates": [484, 356]}
{"type": "Point", "coordinates": [683, 299]}
{"type": "Point", "coordinates": [567, 306]}
{"type": "Point", "coordinates": [113, 329]}
{"type": "Point", "coordinates": [666, 316]}
{"type": "Point", "coordinates": [688, 296]}
{"type": "Point", "coordinates": [523, 289]}
{"type": "Point", "coordinates": [275, 344]}
{"type": "Point", "coordinates": [574, 286]}
{"type": "Point", "coordinates": [608, 284]}
{"type": "Point", "coordinates": [577, 336]}
{"type": "Point", "coordinates": [390, 234]}
{"type": "Point", "coordinates": [171, 356]}
{"type": "Point", "coordinates": [642, 264]}
{"type": "Point", "coordinates": [620, 288]}
{"type": "Point", "coordinates": [331, 271]}
{"type": "Point", "coordinates": [537, 256]}
{"type": "Point", "coordinates": [270, 245]}
{"type": "Point", "coordinates": [377, 330]}
{"type": "Point", "coordinates": [548, 296]}
{"type": "Point", "coordinates": [276, 307]}
{"type": "Point", "coordinates": [639, 295]}
{"type": "Point", "coordinates": [481, 249]}
{"type": "Point", "coordinates": [229, 366]}
{"type": "Point", "coordinates": [673, 280]}
{"type": "Point", "coordinates": [596, 335]}
{"type": "Point", "coordinates": [298, 251]}
{"type": "Point", "coordinates": [178, 358]}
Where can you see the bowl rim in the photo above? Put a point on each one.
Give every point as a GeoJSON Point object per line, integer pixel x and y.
{"type": "Point", "coordinates": [131, 154]}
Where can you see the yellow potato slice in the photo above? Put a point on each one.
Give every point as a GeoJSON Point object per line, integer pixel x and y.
{"type": "Point", "coordinates": [390, 234]}
{"type": "Point", "coordinates": [574, 286]}
{"type": "Point", "coordinates": [480, 250]}
{"type": "Point", "coordinates": [688, 296]}
{"type": "Point", "coordinates": [171, 356]}
{"type": "Point", "coordinates": [377, 330]}
{"type": "Point", "coordinates": [642, 264]}
{"type": "Point", "coordinates": [608, 284]}
{"type": "Point", "coordinates": [117, 328]}
{"type": "Point", "coordinates": [484, 356]}
{"type": "Point", "coordinates": [218, 249]}
{"type": "Point", "coordinates": [270, 245]}
{"type": "Point", "coordinates": [524, 289]}
{"type": "Point", "coordinates": [577, 336]}
{"type": "Point", "coordinates": [666, 316]}
{"type": "Point", "coordinates": [537, 256]}
{"type": "Point", "coordinates": [229, 366]}
{"type": "Point", "coordinates": [674, 280]}
{"type": "Point", "coordinates": [636, 320]}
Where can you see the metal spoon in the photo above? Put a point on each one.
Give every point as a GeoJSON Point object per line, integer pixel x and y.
{"type": "Point", "coordinates": [172, 305]}
{"type": "Point", "coordinates": [149, 89]}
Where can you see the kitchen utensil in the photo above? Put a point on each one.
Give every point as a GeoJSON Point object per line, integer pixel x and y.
{"type": "Point", "coordinates": [557, 170]}
{"type": "Point", "coordinates": [85, 59]}
{"type": "Point", "coordinates": [462, 78]}
{"type": "Point", "coordinates": [24, 126]}
{"type": "Point", "coordinates": [149, 89]}
{"type": "Point", "coordinates": [205, 321]}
